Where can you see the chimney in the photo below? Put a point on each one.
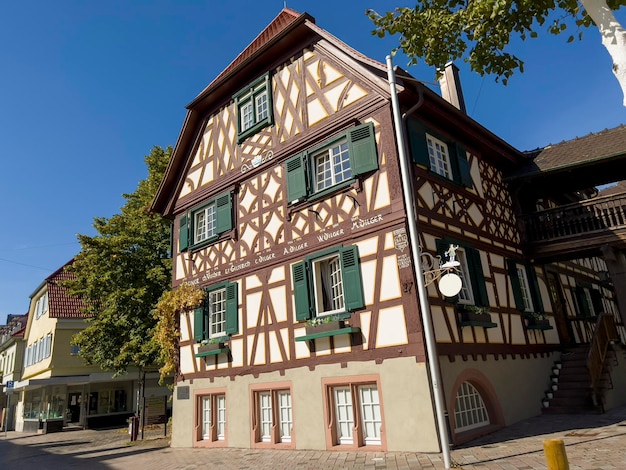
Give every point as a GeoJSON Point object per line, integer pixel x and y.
{"type": "Point", "coordinates": [451, 86]}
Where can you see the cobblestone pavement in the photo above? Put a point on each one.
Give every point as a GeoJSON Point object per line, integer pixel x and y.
{"type": "Point", "coordinates": [592, 442]}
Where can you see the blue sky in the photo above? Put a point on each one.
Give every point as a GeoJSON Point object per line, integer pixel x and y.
{"type": "Point", "coordinates": [87, 88]}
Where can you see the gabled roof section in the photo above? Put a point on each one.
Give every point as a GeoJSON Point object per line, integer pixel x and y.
{"type": "Point", "coordinates": [593, 148]}
{"type": "Point", "coordinates": [286, 17]}
{"type": "Point", "coordinates": [60, 303]}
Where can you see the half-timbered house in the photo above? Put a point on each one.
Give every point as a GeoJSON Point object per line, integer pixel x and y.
{"type": "Point", "coordinates": [285, 193]}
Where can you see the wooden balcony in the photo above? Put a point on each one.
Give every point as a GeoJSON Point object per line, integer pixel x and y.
{"type": "Point", "coordinates": [577, 229]}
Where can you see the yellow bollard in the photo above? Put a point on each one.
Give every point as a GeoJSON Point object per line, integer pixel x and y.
{"type": "Point", "coordinates": [555, 454]}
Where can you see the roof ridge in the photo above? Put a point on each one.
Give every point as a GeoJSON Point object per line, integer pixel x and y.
{"type": "Point", "coordinates": [284, 18]}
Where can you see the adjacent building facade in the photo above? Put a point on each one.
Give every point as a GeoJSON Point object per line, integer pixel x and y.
{"type": "Point", "coordinates": [54, 388]}
{"type": "Point", "coordinates": [286, 196]}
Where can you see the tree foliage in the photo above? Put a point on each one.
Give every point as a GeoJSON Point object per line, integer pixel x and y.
{"type": "Point", "coordinates": [120, 274]}
{"type": "Point", "coordinates": [440, 31]}
{"type": "Point", "coordinates": [172, 304]}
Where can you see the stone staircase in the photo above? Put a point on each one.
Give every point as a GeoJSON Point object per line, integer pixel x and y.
{"type": "Point", "coordinates": [570, 385]}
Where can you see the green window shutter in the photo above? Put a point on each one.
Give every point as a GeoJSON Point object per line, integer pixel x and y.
{"type": "Point", "coordinates": [534, 288]}
{"type": "Point", "coordinates": [351, 273]}
{"type": "Point", "coordinates": [296, 177]}
{"type": "Point", "coordinates": [479, 286]}
{"type": "Point", "coordinates": [301, 291]}
{"type": "Point", "coordinates": [199, 323]}
{"type": "Point", "coordinates": [417, 143]}
{"type": "Point", "coordinates": [362, 149]}
{"type": "Point", "coordinates": [183, 233]}
{"type": "Point", "coordinates": [515, 283]}
{"type": "Point", "coordinates": [223, 213]}
{"type": "Point", "coordinates": [232, 309]}
{"type": "Point", "coordinates": [462, 174]}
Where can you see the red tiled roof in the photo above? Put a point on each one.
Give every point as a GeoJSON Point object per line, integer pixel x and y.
{"type": "Point", "coordinates": [60, 303]}
{"type": "Point", "coordinates": [278, 24]}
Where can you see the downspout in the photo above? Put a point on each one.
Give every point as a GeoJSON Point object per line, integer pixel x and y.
{"type": "Point", "coordinates": [429, 336]}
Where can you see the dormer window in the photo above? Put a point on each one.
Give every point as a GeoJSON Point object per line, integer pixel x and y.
{"type": "Point", "coordinates": [41, 306]}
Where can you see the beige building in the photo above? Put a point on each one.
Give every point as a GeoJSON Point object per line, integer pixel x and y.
{"type": "Point", "coordinates": [56, 388]}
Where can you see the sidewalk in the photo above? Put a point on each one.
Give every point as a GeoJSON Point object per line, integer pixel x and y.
{"type": "Point", "coordinates": [592, 442]}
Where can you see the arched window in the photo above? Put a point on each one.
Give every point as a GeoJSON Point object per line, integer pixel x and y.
{"type": "Point", "coordinates": [469, 409]}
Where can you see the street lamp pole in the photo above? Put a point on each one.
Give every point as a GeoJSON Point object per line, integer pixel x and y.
{"type": "Point", "coordinates": [429, 336]}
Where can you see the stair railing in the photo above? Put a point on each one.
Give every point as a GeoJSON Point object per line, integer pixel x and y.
{"type": "Point", "coordinates": [605, 332]}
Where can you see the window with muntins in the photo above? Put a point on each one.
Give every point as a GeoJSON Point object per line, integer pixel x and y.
{"type": "Point", "coordinates": [328, 283]}
{"type": "Point", "coordinates": [440, 155]}
{"type": "Point", "coordinates": [273, 416]}
{"type": "Point", "coordinates": [469, 409]}
{"type": "Point", "coordinates": [466, 295]}
{"type": "Point", "coordinates": [254, 107]}
{"type": "Point", "coordinates": [204, 224]}
{"type": "Point", "coordinates": [332, 165]}
{"type": "Point", "coordinates": [217, 316]}
{"type": "Point", "coordinates": [212, 417]}
{"type": "Point", "coordinates": [525, 287]}
{"type": "Point", "coordinates": [356, 406]}
{"type": "Point", "coordinates": [588, 301]}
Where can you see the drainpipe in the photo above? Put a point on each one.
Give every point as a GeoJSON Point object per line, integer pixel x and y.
{"type": "Point", "coordinates": [429, 336]}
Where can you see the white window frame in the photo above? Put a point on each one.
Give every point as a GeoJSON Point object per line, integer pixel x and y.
{"type": "Point", "coordinates": [524, 287]}
{"type": "Point", "coordinates": [330, 281]}
{"type": "Point", "coordinates": [331, 165]}
{"type": "Point", "coordinates": [265, 416]}
{"type": "Point", "coordinates": [592, 310]}
{"type": "Point", "coordinates": [470, 411]}
{"type": "Point", "coordinates": [220, 403]}
{"type": "Point", "coordinates": [212, 413]}
{"type": "Point", "coordinates": [273, 415]}
{"type": "Point", "coordinates": [254, 107]}
{"type": "Point", "coordinates": [41, 306]}
{"type": "Point", "coordinates": [438, 156]}
{"type": "Point", "coordinates": [285, 415]}
{"type": "Point", "coordinates": [204, 223]}
{"type": "Point", "coordinates": [217, 313]}
{"type": "Point", "coordinates": [466, 294]}
{"type": "Point", "coordinates": [357, 402]}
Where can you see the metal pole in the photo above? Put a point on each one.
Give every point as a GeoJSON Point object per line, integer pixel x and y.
{"type": "Point", "coordinates": [429, 336]}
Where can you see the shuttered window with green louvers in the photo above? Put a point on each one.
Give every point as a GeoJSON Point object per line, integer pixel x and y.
{"type": "Point", "coordinates": [328, 283]}
{"type": "Point", "coordinates": [218, 315]}
{"type": "Point", "coordinates": [332, 165]}
{"type": "Point", "coordinates": [205, 223]}
{"type": "Point", "coordinates": [438, 154]}
{"type": "Point", "coordinates": [525, 286]}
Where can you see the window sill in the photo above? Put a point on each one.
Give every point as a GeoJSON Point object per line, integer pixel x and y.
{"type": "Point", "coordinates": [325, 334]}
{"type": "Point", "coordinates": [484, 324]}
{"type": "Point", "coordinates": [213, 352]}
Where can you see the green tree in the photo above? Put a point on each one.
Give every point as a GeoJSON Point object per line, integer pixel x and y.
{"type": "Point", "coordinates": [120, 274]}
{"type": "Point", "coordinates": [479, 31]}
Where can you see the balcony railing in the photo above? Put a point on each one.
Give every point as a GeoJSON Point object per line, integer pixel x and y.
{"type": "Point", "coordinates": [594, 215]}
